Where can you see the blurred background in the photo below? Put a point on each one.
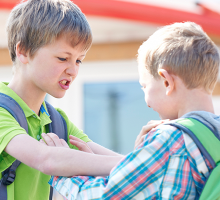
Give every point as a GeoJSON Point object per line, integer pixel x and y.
{"type": "Point", "coordinates": [106, 100]}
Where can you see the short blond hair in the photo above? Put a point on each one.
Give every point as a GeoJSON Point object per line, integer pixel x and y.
{"type": "Point", "coordinates": [185, 50]}
{"type": "Point", "coordinates": [35, 23]}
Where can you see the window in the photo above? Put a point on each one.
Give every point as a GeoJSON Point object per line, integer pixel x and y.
{"type": "Point", "coordinates": [114, 114]}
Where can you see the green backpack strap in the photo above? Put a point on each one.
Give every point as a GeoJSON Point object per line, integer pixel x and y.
{"type": "Point", "coordinates": [211, 143]}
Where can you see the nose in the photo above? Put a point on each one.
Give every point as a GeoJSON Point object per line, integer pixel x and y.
{"type": "Point", "coordinates": [72, 70]}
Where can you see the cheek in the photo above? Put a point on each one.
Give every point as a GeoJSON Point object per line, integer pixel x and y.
{"type": "Point", "coordinates": [149, 93]}
{"type": "Point", "coordinates": [77, 71]}
{"type": "Point", "coordinates": [148, 96]}
{"type": "Point", "coordinates": [146, 99]}
{"type": "Point", "coordinates": [55, 71]}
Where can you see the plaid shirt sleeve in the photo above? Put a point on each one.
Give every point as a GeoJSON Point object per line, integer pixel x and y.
{"type": "Point", "coordinates": [158, 169]}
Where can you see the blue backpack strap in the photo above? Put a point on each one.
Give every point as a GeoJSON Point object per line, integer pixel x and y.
{"type": "Point", "coordinates": [196, 140]}
{"type": "Point", "coordinates": [16, 111]}
{"type": "Point", "coordinates": [180, 125]}
{"type": "Point", "coordinates": [58, 125]}
{"type": "Point", "coordinates": [3, 191]}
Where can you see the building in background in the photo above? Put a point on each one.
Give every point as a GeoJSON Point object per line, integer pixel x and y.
{"type": "Point", "coordinates": [105, 100]}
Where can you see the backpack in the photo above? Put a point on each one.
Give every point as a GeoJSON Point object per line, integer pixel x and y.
{"type": "Point", "coordinates": [57, 126]}
{"type": "Point", "coordinates": [208, 143]}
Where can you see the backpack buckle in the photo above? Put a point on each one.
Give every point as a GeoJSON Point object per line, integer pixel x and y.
{"type": "Point", "coordinates": [9, 177]}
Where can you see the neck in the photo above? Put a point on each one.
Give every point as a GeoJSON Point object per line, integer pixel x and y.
{"type": "Point", "coordinates": [27, 92]}
{"type": "Point", "coordinates": [195, 100]}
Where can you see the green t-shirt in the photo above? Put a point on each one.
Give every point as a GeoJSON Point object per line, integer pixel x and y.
{"type": "Point", "coordinates": [29, 184]}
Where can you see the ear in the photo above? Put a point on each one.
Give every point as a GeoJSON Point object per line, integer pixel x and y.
{"type": "Point", "coordinates": [21, 54]}
{"type": "Point", "coordinates": [168, 80]}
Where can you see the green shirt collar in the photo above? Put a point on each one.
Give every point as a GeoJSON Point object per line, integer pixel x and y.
{"type": "Point", "coordinates": [44, 115]}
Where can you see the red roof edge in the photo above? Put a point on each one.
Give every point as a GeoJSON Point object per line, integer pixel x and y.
{"type": "Point", "coordinates": [209, 20]}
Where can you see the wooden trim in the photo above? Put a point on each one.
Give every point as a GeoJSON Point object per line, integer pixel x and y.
{"type": "Point", "coordinates": [215, 39]}
{"type": "Point", "coordinates": [113, 51]}
{"type": "Point", "coordinates": [5, 57]}
{"type": "Point", "coordinates": [98, 52]}
{"type": "Point", "coordinates": [217, 89]}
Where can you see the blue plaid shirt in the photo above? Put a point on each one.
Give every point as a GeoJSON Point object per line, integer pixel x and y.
{"type": "Point", "coordinates": [167, 165]}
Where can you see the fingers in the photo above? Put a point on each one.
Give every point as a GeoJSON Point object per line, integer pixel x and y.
{"type": "Point", "coordinates": [152, 124]}
{"type": "Point", "coordinates": [147, 128]}
{"type": "Point", "coordinates": [81, 145]}
{"type": "Point", "coordinates": [42, 142]}
{"type": "Point", "coordinates": [157, 122]}
{"type": "Point", "coordinates": [64, 143]}
{"type": "Point", "coordinates": [52, 139]}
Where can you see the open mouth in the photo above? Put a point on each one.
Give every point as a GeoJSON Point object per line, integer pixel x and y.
{"type": "Point", "coordinates": [65, 82]}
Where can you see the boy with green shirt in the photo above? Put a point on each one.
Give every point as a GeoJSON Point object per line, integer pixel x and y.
{"type": "Point", "coordinates": [47, 40]}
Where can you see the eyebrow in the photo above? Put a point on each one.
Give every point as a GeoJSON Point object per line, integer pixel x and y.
{"type": "Point", "coordinates": [67, 53]}
{"type": "Point", "coordinates": [71, 54]}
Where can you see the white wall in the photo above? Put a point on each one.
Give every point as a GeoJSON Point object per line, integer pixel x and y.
{"type": "Point", "coordinates": [5, 73]}
{"type": "Point", "coordinates": [216, 103]}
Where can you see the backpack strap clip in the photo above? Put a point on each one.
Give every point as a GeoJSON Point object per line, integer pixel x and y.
{"type": "Point", "coordinates": [8, 177]}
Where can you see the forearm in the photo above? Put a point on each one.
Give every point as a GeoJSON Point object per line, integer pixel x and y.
{"type": "Point", "coordinates": [59, 160]}
{"type": "Point", "coordinates": [68, 162]}
{"type": "Point", "coordinates": [98, 149]}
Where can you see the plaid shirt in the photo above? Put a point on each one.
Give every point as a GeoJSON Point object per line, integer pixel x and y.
{"type": "Point", "coordinates": [167, 165]}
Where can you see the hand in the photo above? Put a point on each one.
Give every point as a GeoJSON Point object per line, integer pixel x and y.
{"type": "Point", "coordinates": [145, 129]}
{"type": "Point", "coordinates": [81, 145]}
{"type": "Point", "coordinates": [51, 139]}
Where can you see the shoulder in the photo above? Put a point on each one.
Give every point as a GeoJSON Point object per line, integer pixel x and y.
{"type": "Point", "coordinates": [165, 131]}
{"type": "Point", "coordinates": [9, 128]}
{"type": "Point", "coordinates": [65, 117]}
{"type": "Point", "coordinates": [167, 136]}
{"type": "Point", "coordinates": [62, 113]}
{"type": "Point", "coordinates": [6, 116]}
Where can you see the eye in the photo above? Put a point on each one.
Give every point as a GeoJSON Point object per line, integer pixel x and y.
{"type": "Point", "coordinates": [78, 61]}
{"type": "Point", "coordinates": [62, 59]}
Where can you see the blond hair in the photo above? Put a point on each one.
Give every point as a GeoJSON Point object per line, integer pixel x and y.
{"type": "Point", "coordinates": [36, 23]}
{"type": "Point", "coordinates": [185, 50]}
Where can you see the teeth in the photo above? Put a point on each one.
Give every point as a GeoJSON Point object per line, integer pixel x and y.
{"type": "Point", "coordinates": [63, 82]}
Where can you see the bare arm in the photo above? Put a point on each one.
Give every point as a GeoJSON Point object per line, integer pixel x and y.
{"type": "Point", "coordinates": [96, 148]}
{"type": "Point", "coordinates": [58, 160]}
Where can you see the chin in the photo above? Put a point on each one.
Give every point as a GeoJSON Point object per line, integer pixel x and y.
{"type": "Point", "coordinates": [163, 117]}
{"type": "Point", "coordinates": [167, 117]}
{"type": "Point", "coordinates": [58, 95]}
